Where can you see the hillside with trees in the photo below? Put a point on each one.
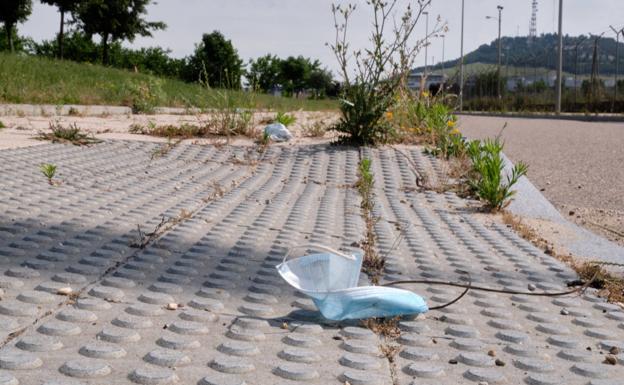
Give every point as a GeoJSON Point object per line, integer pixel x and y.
{"type": "Point", "coordinates": [541, 52]}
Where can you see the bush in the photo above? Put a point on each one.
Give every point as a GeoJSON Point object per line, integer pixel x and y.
{"type": "Point", "coordinates": [362, 111]}
{"type": "Point", "coordinates": [488, 166]}
{"type": "Point", "coordinates": [145, 95]}
{"type": "Point", "coordinates": [382, 70]}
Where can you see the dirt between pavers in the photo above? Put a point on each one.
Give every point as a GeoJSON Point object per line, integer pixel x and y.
{"type": "Point", "coordinates": [20, 129]}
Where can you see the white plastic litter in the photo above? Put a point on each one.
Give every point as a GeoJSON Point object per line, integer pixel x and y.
{"type": "Point", "coordinates": [278, 132]}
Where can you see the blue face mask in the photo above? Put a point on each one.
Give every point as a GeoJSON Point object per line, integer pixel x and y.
{"type": "Point", "coordinates": [331, 279]}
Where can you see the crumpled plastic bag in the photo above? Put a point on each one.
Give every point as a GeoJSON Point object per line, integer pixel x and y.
{"type": "Point", "coordinates": [331, 278]}
{"type": "Point", "coordinates": [278, 132]}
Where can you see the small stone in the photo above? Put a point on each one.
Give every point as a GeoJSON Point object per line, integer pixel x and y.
{"type": "Point", "coordinates": [614, 350]}
{"type": "Point", "coordinates": [64, 291]}
{"type": "Point", "coordinates": [492, 353]}
{"type": "Point", "coordinates": [532, 287]}
{"type": "Point", "coordinates": [564, 312]}
{"type": "Point", "coordinates": [453, 361]}
{"type": "Point", "coordinates": [499, 362]}
{"type": "Point", "coordinates": [610, 359]}
{"type": "Point", "coordinates": [172, 306]}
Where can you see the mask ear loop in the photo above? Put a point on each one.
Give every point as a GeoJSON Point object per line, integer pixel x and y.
{"type": "Point", "coordinates": [318, 247]}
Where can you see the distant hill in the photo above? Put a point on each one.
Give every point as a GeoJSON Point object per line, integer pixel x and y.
{"type": "Point", "coordinates": [541, 52]}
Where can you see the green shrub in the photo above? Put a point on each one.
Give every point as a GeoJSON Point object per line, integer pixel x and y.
{"type": "Point", "coordinates": [373, 77]}
{"type": "Point", "coordinates": [486, 179]}
{"type": "Point", "coordinates": [146, 95]}
{"type": "Point", "coordinates": [363, 109]}
{"type": "Point", "coordinates": [285, 119]}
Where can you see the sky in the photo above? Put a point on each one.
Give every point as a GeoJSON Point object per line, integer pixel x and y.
{"type": "Point", "coordinates": [302, 27]}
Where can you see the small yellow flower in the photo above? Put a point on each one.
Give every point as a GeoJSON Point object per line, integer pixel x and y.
{"type": "Point", "coordinates": [389, 115]}
{"type": "Point", "coordinates": [450, 124]}
{"type": "Point", "coordinates": [425, 94]}
{"type": "Point", "coordinates": [455, 132]}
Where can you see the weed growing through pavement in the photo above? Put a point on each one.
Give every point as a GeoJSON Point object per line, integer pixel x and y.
{"type": "Point", "coordinates": [285, 119]}
{"type": "Point", "coordinates": [49, 171]}
{"type": "Point", "coordinates": [70, 134]}
{"type": "Point", "coordinates": [488, 166]}
{"type": "Point", "coordinates": [164, 149]}
{"type": "Point", "coordinates": [381, 70]}
{"type": "Point", "coordinates": [163, 226]}
{"type": "Point", "coordinates": [372, 264]}
{"type": "Point", "coordinates": [2, 125]}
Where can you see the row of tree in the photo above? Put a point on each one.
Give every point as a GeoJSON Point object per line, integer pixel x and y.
{"type": "Point", "coordinates": [215, 61]}
{"type": "Point", "coordinates": [112, 21]}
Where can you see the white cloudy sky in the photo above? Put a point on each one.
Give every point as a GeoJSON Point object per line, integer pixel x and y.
{"type": "Point", "coordinates": [302, 27]}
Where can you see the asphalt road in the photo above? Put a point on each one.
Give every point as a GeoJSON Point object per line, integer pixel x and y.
{"type": "Point", "coordinates": [579, 166]}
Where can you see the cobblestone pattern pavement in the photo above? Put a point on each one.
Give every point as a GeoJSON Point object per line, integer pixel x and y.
{"type": "Point", "coordinates": [239, 323]}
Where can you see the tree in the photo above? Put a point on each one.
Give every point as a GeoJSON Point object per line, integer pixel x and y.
{"type": "Point", "coordinates": [264, 73]}
{"type": "Point", "coordinates": [115, 21]}
{"type": "Point", "coordinates": [63, 6]}
{"type": "Point", "coordinates": [11, 13]}
{"type": "Point", "coordinates": [294, 72]}
{"type": "Point", "coordinates": [215, 62]}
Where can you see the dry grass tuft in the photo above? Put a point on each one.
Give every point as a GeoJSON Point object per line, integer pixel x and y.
{"type": "Point", "coordinates": [610, 286]}
{"type": "Point", "coordinates": [386, 327]}
{"type": "Point", "coordinates": [315, 130]}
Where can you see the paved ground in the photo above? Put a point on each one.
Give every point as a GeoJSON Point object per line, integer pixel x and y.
{"type": "Point", "coordinates": [239, 322]}
{"type": "Point", "coordinates": [576, 165]}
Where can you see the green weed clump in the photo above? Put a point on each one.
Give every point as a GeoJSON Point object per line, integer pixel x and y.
{"type": "Point", "coordinates": [48, 170]}
{"type": "Point", "coordinates": [382, 69]}
{"type": "Point", "coordinates": [2, 125]}
{"type": "Point", "coordinates": [285, 119]}
{"type": "Point", "coordinates": [486, 180]}
{"type": "Point", "coordinates": [71, 134]}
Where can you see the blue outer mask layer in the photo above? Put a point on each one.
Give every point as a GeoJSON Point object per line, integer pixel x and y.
{"type": "Point", "coordinates": [331, 280]}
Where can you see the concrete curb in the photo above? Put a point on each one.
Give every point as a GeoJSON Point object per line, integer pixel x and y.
{"type": "Point", "coordinates": [61, 110]}
{"type": "Point", "coordinates": [530, 202]}
{"type": "Point", "coordinates": [577, 117]}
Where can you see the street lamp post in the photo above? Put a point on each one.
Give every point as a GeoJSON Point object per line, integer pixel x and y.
{"type": "Point", "coordinates": [461, 62]}
{"type": "Point", "coordinates": [560, 63]}
{"type": "Point", "coordinates": [498, 70]}
{"type": "Point", "coordinates": [617, 59]}
{"type": "Point", "coordinates": [442, 62]}
{"type": "Point", "coordinates": [426, 41]}
{"type": "Point", "coordinates": [576, 47]}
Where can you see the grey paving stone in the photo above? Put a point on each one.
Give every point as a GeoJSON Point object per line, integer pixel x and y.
{"type": "Point", "coordinates": [204, 304]}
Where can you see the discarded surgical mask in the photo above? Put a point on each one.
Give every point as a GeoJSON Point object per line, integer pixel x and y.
{"type": "Point", "coordinates": [331, 279]}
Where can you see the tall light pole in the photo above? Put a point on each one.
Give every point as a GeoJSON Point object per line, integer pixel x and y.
{"type": "Point", "coordinates": [560, 59]}
{"type": "Point", "coordinates": [461, 62]}
{"type": "Point", "coordinates": [426, 42]}
{"type": "Point", "coordinates": [576, 47]}
{"type": "Point", "coordinates": [617, 59]}
{"type": "Point", "coordinates": [498, 70]}
{"type": "Point", "coordinates": [442, 36]}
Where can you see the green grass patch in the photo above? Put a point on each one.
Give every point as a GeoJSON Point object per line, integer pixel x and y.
{"type": "Point", "coordinates": [36, 80]}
